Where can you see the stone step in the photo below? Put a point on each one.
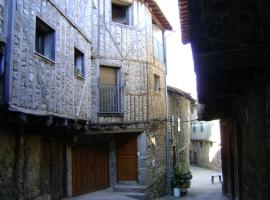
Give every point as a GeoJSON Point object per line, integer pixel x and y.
{"type": "Point", "coordinates": [130, 188]}
{"type": "Point", "coordinates": [134, 195]}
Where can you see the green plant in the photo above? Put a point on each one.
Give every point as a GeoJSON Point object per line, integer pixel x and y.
{"type": "Point", "coordinates": [181, 177]}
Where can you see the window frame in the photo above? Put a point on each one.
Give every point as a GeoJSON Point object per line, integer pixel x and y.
{"type": "Point", "coordinates": [80, 73]}
{"type": "Point", "coordinates": [48, 33]}
{"type": "Point", "coordinates": [128, 14]}
{"type": "Point", "coordinates": [157, 90]}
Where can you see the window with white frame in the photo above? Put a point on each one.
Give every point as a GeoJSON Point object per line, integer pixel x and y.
{"type": "Point", "coordinates": [157, 83]}
{"type": "Point", "coordinates": [45, 39]}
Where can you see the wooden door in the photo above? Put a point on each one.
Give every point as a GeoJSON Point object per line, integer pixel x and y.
{"type": "Point", "coordinates": [127, 161]}
{"type": "Point", "coordinates": [52, 176]}
{"type": "Point", "coordinates": [90, 168]}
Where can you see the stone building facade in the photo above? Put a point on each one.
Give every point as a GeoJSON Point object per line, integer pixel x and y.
{"type": "Point", "coordinates": [179, 121]}
{"type": "Point", "coordinates": [205, 149]}
{"type": "Point", "coordinates": [83, 98]}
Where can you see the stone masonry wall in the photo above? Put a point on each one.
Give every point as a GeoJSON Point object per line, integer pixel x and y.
{"type": "Point", "coordinates": [7, 157]}
{"type": "Point", "coordinates": [19, 165]}
{"type": "Point", "coordinates": [45, 87]}
{"type": "Point", "coordinates": [201, 154]}
{"type": "Point", "coordinates": [156, 161]}
{"type": "Point", "coordinates": [179, 107]}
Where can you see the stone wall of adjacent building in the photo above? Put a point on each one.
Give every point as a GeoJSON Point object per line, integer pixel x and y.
{"type": "Point", "coordinates": [156, 161]}
{"type": "Point", "coordinates": [205, 154]}
{"type": "Point", "coordinates": [179, 108]}
{"type": "Point", "coordinates": [39, 85]}
{"type": "Point", "coordinates": [19, 164]}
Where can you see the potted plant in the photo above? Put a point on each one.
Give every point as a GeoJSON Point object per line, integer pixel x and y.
{"type": "Point", "coordinates": [176, 182]}
{"type": "Point", "coordinates": [185, 180]}
{"type": "Point", "coordinates": [181, 180]}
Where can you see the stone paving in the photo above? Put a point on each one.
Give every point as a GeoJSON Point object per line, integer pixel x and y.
{"type": "Point", "coordinates": [201, 187]}
{"type": "Point", "coordinates": [107, 194]}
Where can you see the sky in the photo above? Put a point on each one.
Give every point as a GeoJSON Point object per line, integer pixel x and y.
{"type": "Point", "coordinates": [179, 57]}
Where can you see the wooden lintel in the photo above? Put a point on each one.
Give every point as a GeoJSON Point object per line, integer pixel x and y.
{"type": "Point", "coordinates": [118, 131]}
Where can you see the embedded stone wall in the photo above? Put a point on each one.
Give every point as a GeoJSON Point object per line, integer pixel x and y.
{"type": "Point", "coordinates": [45, 87]}
{"type": "Point", "coordinates": [179, 107]}
{"type": "Point", "coordinates": [156, 161]}
{"type": "Point", "coordinates": [205, 154]}
{"type": "Point", "coordinates": [19, 164]}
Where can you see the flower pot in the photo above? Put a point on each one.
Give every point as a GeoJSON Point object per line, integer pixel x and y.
{"type": "Point", "coordinates": [183, 191]}
{"type": "Point", "coordinates": [176, 192]}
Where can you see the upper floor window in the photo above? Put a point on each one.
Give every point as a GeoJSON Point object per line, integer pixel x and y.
{"type": "Point", "coordinates": [178, 124]}
{"type": "Point", "coordinates": [121, 12]}
{"type": "Point", "coordinates": [78, 62]}
{"type": "Point", "coordinates": [201, 126]}
{"type": "Point", "coordinates": [45, 39]}
{"type": "Point", "coordinates": [193, 128]}
{"type": "Point", "coordinates": [158, 43]}
{"type": "Point", "coordinates": [157, 83]}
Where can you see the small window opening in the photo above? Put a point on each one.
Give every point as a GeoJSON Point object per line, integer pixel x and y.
{"type": "Point", "coordinates": [120, 14]}
{"type": "Point", "coordinates": [45, 39]}
{"type": "Point", "coordinates": [157, 83]}
{"type": "Point", "coordinates": [78, 62]}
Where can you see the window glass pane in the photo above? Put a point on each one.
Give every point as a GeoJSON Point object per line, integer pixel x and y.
{"type": "Point", "coordinates": [45, 40]}
{"type": "Point", "coordinates": [120, 14]}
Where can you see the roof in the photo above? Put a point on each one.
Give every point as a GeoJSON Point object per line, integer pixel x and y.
{"type": "Point", "coordinates": [157, 12]}
{"type": "Point", "coordinates": [184, 20]}
{"type": "Point", "coordinates": [180, 92]}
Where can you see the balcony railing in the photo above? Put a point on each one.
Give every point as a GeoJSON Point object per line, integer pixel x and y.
{"type": "Point", "coordinates": [110, 98]}
{"type": "Point", "coordinates": [158, 50]}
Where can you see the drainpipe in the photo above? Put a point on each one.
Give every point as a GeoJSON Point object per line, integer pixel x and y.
{"type": "Point", "coordinates": [9, 47]}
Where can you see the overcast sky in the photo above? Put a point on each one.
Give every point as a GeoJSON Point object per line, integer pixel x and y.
{"type": "Point", "coordinates": [179, 57]}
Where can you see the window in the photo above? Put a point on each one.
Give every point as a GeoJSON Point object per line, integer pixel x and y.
{"type": "Point", "coordinates": [110, 90]}
{"type": "Point", "coordinates": [157, 83]}
{"type": "Point", "coordinates": [193, 128]}
{"type": "Point", "coordinates": [78, 62]}
{"type": "Point", "coordinates": [120, 14]}
{"type": "Point", "coordinates": [45, 39]}
{"type": "Point", "coordinates": [201, 126]}
{"type": "Point", "coordinates": [179, 125]}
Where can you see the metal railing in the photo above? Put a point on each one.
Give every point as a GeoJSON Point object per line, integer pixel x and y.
{"type": "Point", "coordinates": [110, 98]}
{"type": "Point", "coordinates": [158, 50]}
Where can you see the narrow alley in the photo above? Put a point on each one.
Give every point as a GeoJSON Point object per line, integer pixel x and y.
{"type": "Point", "coordinates": [201, 186]}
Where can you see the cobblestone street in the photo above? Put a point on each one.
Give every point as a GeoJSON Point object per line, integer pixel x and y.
{"type": "Point", "coordinates": [201, 186]}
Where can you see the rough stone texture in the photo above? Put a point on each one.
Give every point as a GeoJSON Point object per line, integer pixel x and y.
{"type": "Point", "coordinates": [2, 16]}
{"type": "Point", "coordinates": [50, 88]}
{"type": "Point", "coordinates": [26, 165]}
{"type": "Point", "coordinates": [205, 154]}
{"type": "Point", "coordinates": [156, 162]}
{"type": "Point", "coordinates": [179, 107]}
{"type": "Point", "coordinates": [7, 157]}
